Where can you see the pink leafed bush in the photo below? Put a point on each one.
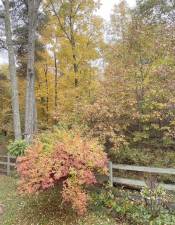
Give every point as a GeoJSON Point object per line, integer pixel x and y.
{"type": "Point", "coordinates": [71, 161]}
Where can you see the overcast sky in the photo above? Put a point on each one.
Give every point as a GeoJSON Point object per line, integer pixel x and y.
{"type": "Point", "coordinates": [104, 11]}
{"type": "Point", "coordinates": [107, 6]}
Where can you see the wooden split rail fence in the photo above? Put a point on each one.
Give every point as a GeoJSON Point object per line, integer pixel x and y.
{"type": "Point", "coordinates": [7, 164]}
{"type": "Point", "coordinates": [136, 182]}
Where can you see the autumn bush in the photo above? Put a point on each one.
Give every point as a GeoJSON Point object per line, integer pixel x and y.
{"type": "Point", "coordinates": [62, 158]}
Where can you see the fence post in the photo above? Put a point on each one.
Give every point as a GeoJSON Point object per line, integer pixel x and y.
{"type": "Point", "coordinates": [8, 164]}
{"type": "Point", "coordinates": [110, 174]}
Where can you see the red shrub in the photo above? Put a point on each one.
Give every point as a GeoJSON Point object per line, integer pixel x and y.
{"type": "Point", "coordinates": [71, 161]}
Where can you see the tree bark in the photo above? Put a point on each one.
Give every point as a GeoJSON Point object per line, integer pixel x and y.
{"type": "Point", "coordinates": [47, 90]}
{"type": "Point", "coordinates": [56, 81]}
{"type": "Point", "coordinates": [73, 46]}
{"type": "Point", "coordinates": [12, 71]}
{"type": "Point", "coordinates": [30, 110]}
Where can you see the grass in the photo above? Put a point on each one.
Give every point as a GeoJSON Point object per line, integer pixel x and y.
{"type": "Point", "coordinates": [109, 207]}
{"type": "Point", "coordinates": [43, 209]}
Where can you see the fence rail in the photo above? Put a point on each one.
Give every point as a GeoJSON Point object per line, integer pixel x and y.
{"type": "Point", "coordinates": [137, 182]}
{"type": "Point", "coordinates": [6, 164]}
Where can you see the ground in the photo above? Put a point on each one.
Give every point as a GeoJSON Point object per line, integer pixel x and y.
{"type": "Point", "coordinates": [109, 206]}
{"type": "Point", "coordinates": [44, 209]}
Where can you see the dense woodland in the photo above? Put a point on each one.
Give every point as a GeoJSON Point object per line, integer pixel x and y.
{"type": "Point", "coordinates": [88, 88]}
{"type": "Point", "coordinates": [114, 81]}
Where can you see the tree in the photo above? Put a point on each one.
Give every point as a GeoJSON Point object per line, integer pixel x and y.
{"type": "Point", "coordinates": [5, 107]}
{"type": "Point", "coordinates": [64, 98]}
{"type": "Point", "coordinates": [156, 12]}
{"type": "Point", "coordinates": [12, 71]}
{"type": "Point", "coordinates": [30, 108]}
{"type": "Point", "coordinates": [120, 18]}
{"type": "Point", "coordinates": [20, 27]}
{"type": "Point", "coordinates": [134, 110]}
{"type": "Point", "coordinates": [75, 28]}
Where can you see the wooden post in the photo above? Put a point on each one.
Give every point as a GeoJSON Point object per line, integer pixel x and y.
{"type": "Point", "coordinates": [110, 174]}
{"type": "Point", "coordinates": [8, 164]}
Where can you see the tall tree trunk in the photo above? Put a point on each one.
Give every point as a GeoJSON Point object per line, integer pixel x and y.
{"type": "Point", "coordinates": [75, 70]}
{"type": "Point", "coordinates": [31, 112]}
{"type": "Point", "coordinates": [73, 46]}
{"type": "Point", "coordinates": [12, 71]}
{"type": "Point", "coordinates": [56, 81]}
{"type": "Point", "coordinates": [47, 90]}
